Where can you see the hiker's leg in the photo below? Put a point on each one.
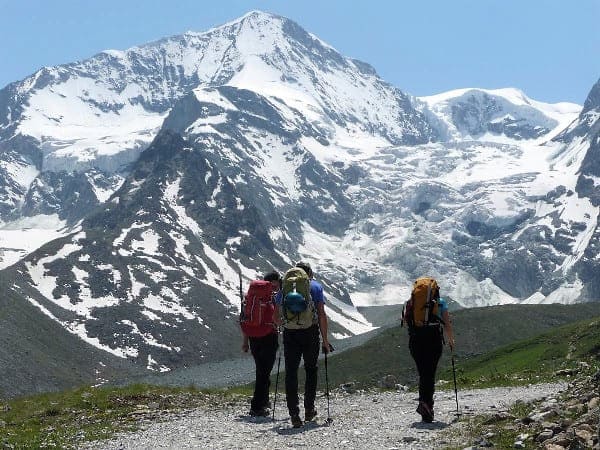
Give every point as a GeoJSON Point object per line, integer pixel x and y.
{"type": "Point", "coordinates": [436, 353]}
{"type": "Point", "coordinates": [254, 346]}
{"type": "Point", "coordinates": [263, 350]}
{"type": "Point", "coordinates": [419, 353]}
{"type": "Point", "coordinates": [311, 355]}
{"type": "Point", "coordinates": [433, 344]}
{"type": "Point", "coordinates": [293, 352]}
{"type": "Point", "coordinates": [272, 344]}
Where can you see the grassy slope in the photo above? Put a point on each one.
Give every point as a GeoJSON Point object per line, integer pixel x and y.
{"type": "Point", "coordinates": [534, 359]}
{"type": "Point", "coordinates": [477, 330]}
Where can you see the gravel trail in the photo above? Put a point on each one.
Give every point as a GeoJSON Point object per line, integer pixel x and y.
{"type": "Point", "coordinates": [374, 420]}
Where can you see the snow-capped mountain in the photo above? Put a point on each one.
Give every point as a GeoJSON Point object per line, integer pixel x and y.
{"type": "Point", "coordinates": [495, 114]}
{"type": "Point", "coordinates": [160, 172]}
{"type": "Point", "coordinates": [96, 116]}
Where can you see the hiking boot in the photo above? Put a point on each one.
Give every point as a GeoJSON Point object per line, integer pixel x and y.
{"type": "Point", "coordinates": [310, 414]}
{"type": "Point", "coordinates": [263, 412]}
{"type": "Point", "coordinates": [425, 411]}
{"type": "Point", "coordinates": [296, 421]}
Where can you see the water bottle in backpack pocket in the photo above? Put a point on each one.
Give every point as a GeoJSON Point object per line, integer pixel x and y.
{"type": "Point", "coordinates": [298, 308]}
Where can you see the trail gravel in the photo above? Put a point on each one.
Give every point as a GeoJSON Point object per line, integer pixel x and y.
{"type": "Point", "coordinates": [375, 420]}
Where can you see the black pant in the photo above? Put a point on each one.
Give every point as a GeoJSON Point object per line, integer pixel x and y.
{"type": "Point", "coordinates": [299, 344]}
{"type": "Point", "coordinates": [425, 346]}
{"type": "Point", "coordinates": [264, 350]}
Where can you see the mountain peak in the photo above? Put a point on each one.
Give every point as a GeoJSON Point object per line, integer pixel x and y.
{"type": "Point", "coordinates": [593, 99]}
{"type": "Point", "coordinates": [254, 19]}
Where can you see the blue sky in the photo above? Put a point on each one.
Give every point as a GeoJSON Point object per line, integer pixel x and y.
{"type": "Point", "coordinates": [548, 48]}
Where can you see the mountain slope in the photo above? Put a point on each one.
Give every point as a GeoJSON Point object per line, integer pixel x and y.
{"type": "Point", "coordinates": [38, 356]}
{"type": "Point", "coordinates": [172, 167]}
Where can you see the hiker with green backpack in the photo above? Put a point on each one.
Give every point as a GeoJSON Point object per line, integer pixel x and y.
{"type": "Point", "coordinates": [301, 311]}
{"type": "Point", "coordinates": [427, 318]}
{"type": "Point", "coordinates": [260, 335]}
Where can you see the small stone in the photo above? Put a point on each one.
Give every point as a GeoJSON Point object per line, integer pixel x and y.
{"type": "Point", "coordinates": [483, 442]}
{"type": "Point", "coordinates": [585, 435]}
{"type": "Point", "coordinates": [541, 416]}
{"type": "Point", "coordinates": [153, 405]}
{"type": "Point", "coordinates": [586, 426]}
{"type": "Point", "coordinates": [550, 426]}
{"type": "Point", "coordinates": [545, 435]}
{"type": "Point", "coordinates": [562, 439]}
{"type": "Point", "coordinates": [408, 439]}
{"type": "Point", "coordinates": [388, 382]}
{"type": "Point", "coordinates": [519, 444]}
{"type": "Point", "coordinates": [551, 446]}
{"type": "Point", "coordinates": [593, 403]}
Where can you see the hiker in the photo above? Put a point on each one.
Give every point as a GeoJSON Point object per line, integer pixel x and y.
{"type": "Point", "coordinates": [426, 315]}
{"type": "Point", "coordinates": [301, 306]}
{"type": "Point", "coordinates": [260, 335]}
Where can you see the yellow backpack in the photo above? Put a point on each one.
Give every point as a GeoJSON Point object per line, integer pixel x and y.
{"type": "Point", "coordinates": [422, 308]}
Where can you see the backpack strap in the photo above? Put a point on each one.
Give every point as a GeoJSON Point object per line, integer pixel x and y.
{"type": "Point", "coordinates": [428, 305]}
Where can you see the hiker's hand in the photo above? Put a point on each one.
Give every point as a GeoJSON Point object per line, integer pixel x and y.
{"type": "Point", "coordinates": [245, 347]}
{"type": "Point", "coordinates": [451, 343]}
{"type": "Point", "coordinates": [326, 347]}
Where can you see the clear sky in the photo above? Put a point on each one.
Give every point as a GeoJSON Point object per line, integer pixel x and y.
{"type": "Point", "coordinates": [548, 48]}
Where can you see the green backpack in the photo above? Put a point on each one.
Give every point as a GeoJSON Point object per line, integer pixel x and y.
{"type": "Point", "coordinates": [298, 308]}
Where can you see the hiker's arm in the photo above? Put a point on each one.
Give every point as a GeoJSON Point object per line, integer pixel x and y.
{"type": "Point", "coordinates": [277, 317]}
{"type": "Point", "coordinates": [245, 345]}
{"type": "Point", "coordinates": [323, 326]}
{"type": "Point", "coordinates": [448, 329]}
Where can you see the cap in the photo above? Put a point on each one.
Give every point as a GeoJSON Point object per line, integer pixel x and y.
{"type": "Point", "coordinates": [305, 265]}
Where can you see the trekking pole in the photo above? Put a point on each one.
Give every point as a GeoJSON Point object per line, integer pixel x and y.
{"type": "Point", "coordinates": [277, 377]}
{"type": "Point", "coordinates": [329, 419]}
{"type": "Point", "coordinates": [455, 388]}
{"type": "Point", "coordinates": [241, 296]}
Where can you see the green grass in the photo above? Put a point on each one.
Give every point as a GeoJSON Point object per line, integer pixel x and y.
{"type": "Point", "coordinates": [532, 360]}
{"type": "Point", "coordinates": [479, 332]}
{"type": "Point", "coordinates": [61, 420]}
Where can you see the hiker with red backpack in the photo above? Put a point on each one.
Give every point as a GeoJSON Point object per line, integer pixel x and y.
{"type": "Point", "coordinates": [301, 311]}
{"type": "Point", "coordinates": [427, 318]}
{"type": "Point", "coordinates": [261, 336]}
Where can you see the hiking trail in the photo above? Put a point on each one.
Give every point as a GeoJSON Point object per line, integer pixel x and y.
{"type": "Point", "coordinates": [360, 420]}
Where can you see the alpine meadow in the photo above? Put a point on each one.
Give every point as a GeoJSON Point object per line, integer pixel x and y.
{"type": "Point", "coordinates": [143, 190]}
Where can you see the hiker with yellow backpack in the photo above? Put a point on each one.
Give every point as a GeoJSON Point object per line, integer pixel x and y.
{"type": "Point", "coordinates": [301, 311]}
{"type": "Point", "coordinates": [426, 316]}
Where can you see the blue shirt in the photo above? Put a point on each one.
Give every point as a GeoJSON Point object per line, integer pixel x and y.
{"type": "Point", "coordinates": [316, 293]}
{"type": "Point", "coordinates": [442, 307]}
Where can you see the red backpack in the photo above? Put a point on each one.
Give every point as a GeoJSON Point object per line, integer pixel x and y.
{"type": "Point", "coordinates": [258, 309]}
